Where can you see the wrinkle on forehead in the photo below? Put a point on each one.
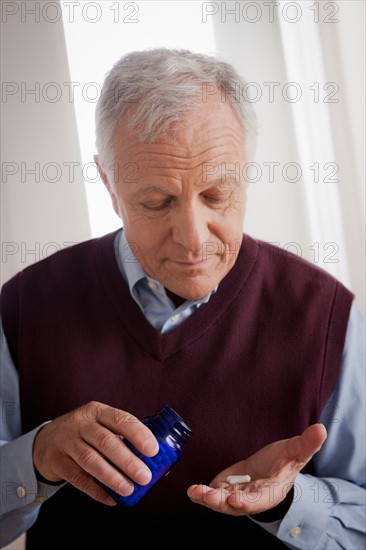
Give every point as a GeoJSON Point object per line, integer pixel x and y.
{"type": "Point", "coordinates": [165, 155]}
{"type": "Point", "coordinates": [199, 135]}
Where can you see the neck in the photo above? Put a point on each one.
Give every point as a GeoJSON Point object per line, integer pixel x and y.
{"type": "Point", "coordinates": [177, 300]}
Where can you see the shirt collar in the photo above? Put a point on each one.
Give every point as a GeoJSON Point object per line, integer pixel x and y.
{"type": "Point", "coordinates": [133, 273]}
{"type": "Point", "coordinates": [130, 266]}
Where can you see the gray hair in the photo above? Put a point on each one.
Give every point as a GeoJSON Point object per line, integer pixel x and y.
{"type": "Point", "coordinates": [163, 84]}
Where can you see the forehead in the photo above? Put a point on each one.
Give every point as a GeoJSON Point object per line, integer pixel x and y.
{"type": "Point", "coordinates": [208, 127]}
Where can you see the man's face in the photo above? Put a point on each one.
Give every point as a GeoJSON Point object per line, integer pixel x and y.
{"type": "Point", "coordinates": [182, 198]}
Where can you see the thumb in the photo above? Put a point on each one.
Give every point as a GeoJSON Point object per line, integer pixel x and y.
{"type": "Point", "coordinates": [303, 447]}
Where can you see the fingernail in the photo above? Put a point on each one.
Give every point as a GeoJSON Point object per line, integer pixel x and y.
{"type": "Point", "coordinates": [150, 447]}
{"type": "Point", "coordinates": [125, 488]}
{"type": "Point", "coordinates": [143, 476]}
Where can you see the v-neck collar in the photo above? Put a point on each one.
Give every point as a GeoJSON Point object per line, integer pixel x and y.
{"type": "Point", "coordinates": [163, 345]}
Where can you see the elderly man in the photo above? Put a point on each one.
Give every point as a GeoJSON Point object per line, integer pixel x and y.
{"type": "Point", "coordinates": [259, 351]}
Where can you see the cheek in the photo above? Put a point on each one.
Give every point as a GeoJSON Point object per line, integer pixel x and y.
{"type": "Point", "coordinates": [149, 235]}
{"type": "Point", "coordinates": [229, 227]}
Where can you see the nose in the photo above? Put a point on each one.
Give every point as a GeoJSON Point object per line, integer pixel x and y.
{"type": "Point", "coordinates": [190, 227]}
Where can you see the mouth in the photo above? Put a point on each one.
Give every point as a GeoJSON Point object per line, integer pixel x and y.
{"type": "Point", "coordinates": [194, 262]}
{"type": "Point", "coordinates": [198, 263]}
{"type": "Point", "coordinates": [189, 265]}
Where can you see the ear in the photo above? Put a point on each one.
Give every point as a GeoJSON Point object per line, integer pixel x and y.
{"type": "Point", "coordinates": [107, 183]}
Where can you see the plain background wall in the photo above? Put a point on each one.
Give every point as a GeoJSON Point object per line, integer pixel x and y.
{"type": "Point", "coordinates": [41, 209]}
{"type": "Point", "coordinates": [38, 218]}
{"type": "Point", "coordinates": [278, 211]}
{"type": "Point", "coordinates": [344, 51]}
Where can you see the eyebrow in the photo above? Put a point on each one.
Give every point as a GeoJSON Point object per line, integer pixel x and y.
{"type": "Point", "coordinates": [230, 179]}
{"type": "Point", "coordinates": [152, 189]}
{"type": "Point", "coordinates": [168, 191]}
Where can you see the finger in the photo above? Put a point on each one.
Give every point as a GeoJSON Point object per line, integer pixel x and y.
{"type": "Point", "coordinates": [84, 482]}
{"type": "Point", "coordinates": [211, 497]}
{"type": "Point", "coordinates": [125, 424]}
{"type": "Point", "coordinates": [208, 496]}
{"type": "Point", "coordinates": [303, 447]}
{"type": "Point", "coordinates": [217, 499]}
{"type": "Point", "coordinates": [114, 449]}
{"type": "Point", "coordinates": [247, 501]}
{"type": "Point", "coordinates": [118, 479]}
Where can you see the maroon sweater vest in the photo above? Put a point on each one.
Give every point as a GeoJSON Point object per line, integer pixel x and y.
{"type": "Point", "coordinates": [255, 364]}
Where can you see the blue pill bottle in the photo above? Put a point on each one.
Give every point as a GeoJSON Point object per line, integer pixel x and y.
{"type": "Point", "coordinates": [171, 432]}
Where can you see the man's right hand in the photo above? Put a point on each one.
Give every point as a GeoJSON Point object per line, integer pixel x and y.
{"type": "Point", "coordinates": [85, 446]}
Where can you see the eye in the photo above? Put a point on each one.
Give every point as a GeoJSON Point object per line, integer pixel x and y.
{"type": "Point", "coordinates": [156, 206]}
{"type": "Point", "coordinates": [217, 198]}
{"type": "Point", "coordinates": [213, 198]}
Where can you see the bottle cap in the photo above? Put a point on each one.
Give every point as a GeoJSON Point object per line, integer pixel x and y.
{"type": "Point", "coordinates": [175, 422]}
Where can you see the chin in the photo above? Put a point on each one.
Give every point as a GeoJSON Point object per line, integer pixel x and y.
{"type": "Point", "coordinates": [193, 296]}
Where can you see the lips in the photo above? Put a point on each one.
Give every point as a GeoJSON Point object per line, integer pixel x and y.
{"type": "Point", "coordinates": [193, 264]}
{"type": "Point", "coordinates": [191, 267]}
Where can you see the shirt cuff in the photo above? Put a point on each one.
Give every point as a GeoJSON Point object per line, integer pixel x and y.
{"type": "Point", "coordinates": [307, 517]}
{"type": "Point", "coordinates": [20, 486]}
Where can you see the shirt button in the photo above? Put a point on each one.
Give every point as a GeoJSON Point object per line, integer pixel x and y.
{"type": "Point", "coordinates": [175, 317]}
{"type": "Point", "coordinates": [152, 285]}
{"type": "Point", "coordinates": [40, 499]}
{"type": "Point", "coordinates": [295, 532]}
{"type": "Point", "coordinates": [21, 491]}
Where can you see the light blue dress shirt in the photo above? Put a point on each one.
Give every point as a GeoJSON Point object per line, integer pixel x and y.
{"type": "Point", "coordinates": [328, 512]}
{"type": "Point", "coordinates": [149, 294]}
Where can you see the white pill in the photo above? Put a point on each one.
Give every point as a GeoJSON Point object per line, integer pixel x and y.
{"type": "Point", "coordinates": [238, 479]}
